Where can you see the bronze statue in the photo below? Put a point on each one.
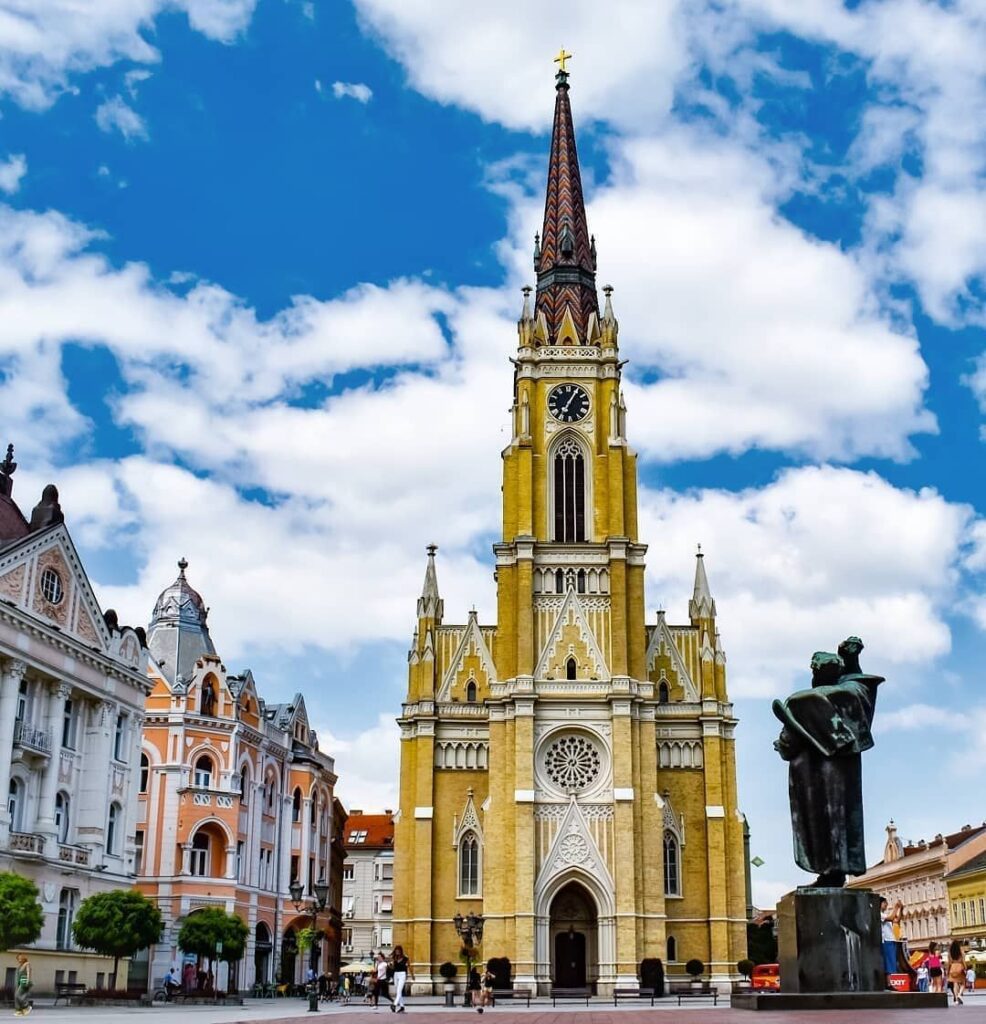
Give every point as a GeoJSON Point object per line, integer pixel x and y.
{"type": "Point", "coordinates": [826, 729]}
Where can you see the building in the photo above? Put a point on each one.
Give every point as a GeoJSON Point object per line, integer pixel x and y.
{"type": "Point", "coordinates": [236, 801]}
{"type": "Point", "coordinates": [72, 689]}
{"type": "Point", "coordinates": [569, 771]}
{"type": "Point", "coordinates": [967, 900]}
{"type": "Point", "coordinates": [368, 885]}
{"type": "Point", "coordinates": [916, 873]}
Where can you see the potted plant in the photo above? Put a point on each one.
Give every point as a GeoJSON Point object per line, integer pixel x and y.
{"type": "Point", "coordinates": [695, 968]}
{"type": "Point", "coordinates": [745, 968]}
{"type": "Point", "coordinates": [448, 971]}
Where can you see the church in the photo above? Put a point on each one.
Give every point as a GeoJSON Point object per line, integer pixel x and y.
{"type": "Point", "coordinates": [569, 772]}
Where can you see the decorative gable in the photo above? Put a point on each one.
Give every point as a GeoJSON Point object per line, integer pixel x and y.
{"type": "Point", "coordinates": [665, 663]}
{"type": "Point", "coordinates": [468, 823]}
{"type": "Point", "coordinates": [574, 847]}
{"type": "Point", "coordinates": [472, 662]}
{"type": "Point", "coordinates": [571, 637]}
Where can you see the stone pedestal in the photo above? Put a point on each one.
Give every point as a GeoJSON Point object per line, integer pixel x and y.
{"type": "Point", "coordinates": [829, 941]}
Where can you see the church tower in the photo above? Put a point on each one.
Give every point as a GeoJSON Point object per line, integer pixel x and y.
{"type": "Point", "coordinates": [569, 773]}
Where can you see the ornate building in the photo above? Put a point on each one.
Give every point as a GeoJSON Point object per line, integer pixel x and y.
{"type": "Point", "coordinates": [368, 885]}
{"type": "Point", "coordinates": [236, 801]}
{"type": "Point", "coordinates": [569, 772]}
{"type": "Point", "coordinates": [72, 689]}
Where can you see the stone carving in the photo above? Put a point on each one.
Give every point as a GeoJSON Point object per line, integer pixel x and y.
{"type": "Point", "coordinates": [573, 849]}
{"type": "Point", "coordinates": [572, 763]}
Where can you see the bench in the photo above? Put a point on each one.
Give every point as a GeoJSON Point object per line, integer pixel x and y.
{"type": "Point", "coordinates": [686, 990]}
{"type": "Point", "coordinates": [632, 993]}
{"type": "Point", "coordinates": [511, 993]}
{"type": "Point", "coordinates": [571, 993]}
{"type": "Point", "coordinates": [69, 989]}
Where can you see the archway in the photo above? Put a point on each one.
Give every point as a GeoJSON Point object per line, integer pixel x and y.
{"type": "Point", "coordinates": [289, 956]}
{"type": "Point", "coordinates": [263, 947]}
{"type": "Point", "coordinates": [574, 937]}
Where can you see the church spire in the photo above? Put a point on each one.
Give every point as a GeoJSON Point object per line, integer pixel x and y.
{"type": "Point", "coordinates": [701, 606]}
{"type": "Point", "coordinates": [565, 255]}
{"type": "Point", "coordinates": [430, 604]}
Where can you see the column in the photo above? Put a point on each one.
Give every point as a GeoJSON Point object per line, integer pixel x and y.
{"type": "Point", "coordinates": [11, 674]}
{"type": "Point", "coordinates": [96, 782]}
{"type": "Point", "coordinates": [54, 713]}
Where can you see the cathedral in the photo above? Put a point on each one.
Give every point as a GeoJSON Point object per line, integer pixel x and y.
{"type": "Point", "coordinates": [569, 772]}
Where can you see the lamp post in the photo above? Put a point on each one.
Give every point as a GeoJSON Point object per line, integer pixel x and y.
{"type": "Point", "coordinates": [314, 905]}
{"type": "Point", "coordinates": [470, 931]}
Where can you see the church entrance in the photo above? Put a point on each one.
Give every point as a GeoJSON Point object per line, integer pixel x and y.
{"type": "Point", "coordinates": [574, 940]}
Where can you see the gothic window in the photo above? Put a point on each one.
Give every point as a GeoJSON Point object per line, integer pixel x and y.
{"type": "Point", "coordinates": [572, 763]}
{"type": "Point", "coordinates": [571, 669]}
{"type": "Point", "coordinates": [581, 581]}
{"type": "Point", "coordinates": [199, 861]}
{"type": "Point", "coordinates": [569, 492]}
{"type": "Point", "coordinates": [145, 772]}
{"type": "Point", "coordinates": [471, 691]}
{"type": "Point", "coordinates": [313, 814]}
{"type": "Point", "coordinates": [207, 702]}
{"type": "Point", "coordinates": [113, 824]}
{"type": "Point", "coordinates": [62, 817]}
{"type": "Point", "coordinates": [67, 902]}
{"type": "Point", "coordinates": [559, 582]}
{"type": "Point", "coordinates": [663, 694]}
{"type": "Point", "coordinates": [672, 949]}
{"type": "Point", "coordinates": [244, 783]}
{"type": "Point", "coordinates": [672, 867]}
{"type": "Point", "coordinates": [203, 772]}
{"type": "Point", "coordinates": [296, 805]}
{"type": "Point", "coordinates": [469, 865]}
{"type": "Point", "coordinates": [15, 804]}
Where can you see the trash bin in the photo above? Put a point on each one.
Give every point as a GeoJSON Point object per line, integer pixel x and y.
{"type": "Point", "coordinates": [450, 996]}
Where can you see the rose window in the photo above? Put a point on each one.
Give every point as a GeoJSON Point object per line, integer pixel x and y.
{"type": "Point", "coordinates": [572, 763]}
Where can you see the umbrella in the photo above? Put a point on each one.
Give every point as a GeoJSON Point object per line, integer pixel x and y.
{"type": "Point", "coordinates": [356, 969]}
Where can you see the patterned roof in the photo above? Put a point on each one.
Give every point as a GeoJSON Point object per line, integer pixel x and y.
{"type": "Point", "coordinates": [566, 265]}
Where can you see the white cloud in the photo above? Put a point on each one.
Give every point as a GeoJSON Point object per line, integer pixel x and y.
{"type": "Point", "coordinates": [367, 765]}
{"type": "Point", "coordinates": [115, 115]}
{"type": "Point", "coordinates": [132, 80]}
{"type": "Point", "coordinates": [358, 91]}
{"type": "Point", "coordinates": [11, 172]}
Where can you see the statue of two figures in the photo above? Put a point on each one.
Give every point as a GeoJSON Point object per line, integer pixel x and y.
{"type": "Point", "coordinates": [826, 729]}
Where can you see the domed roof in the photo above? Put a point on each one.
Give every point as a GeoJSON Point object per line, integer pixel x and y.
{"type": "Point", "coordinates": [178, 634]}
{"type": "Point", "coordinates": [180, 601]}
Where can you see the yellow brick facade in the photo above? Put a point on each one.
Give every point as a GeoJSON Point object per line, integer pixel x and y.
{"type": "Point", "coordinates": [551, 763]}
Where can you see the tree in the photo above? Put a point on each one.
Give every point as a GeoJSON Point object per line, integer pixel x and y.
{"type": "Point", "coordinates": [117, 923]}
{"type": "Point", "coordinates": [21, 917]}
{"type": "Point", "coordinates": [202, 932]}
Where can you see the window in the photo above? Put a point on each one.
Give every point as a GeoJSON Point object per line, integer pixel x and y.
{"type": "Point", "coordinates": [348, 906]}
{"type": "Point", "coordinates": [119, 736]}
{"type": "Point", "coordinates": [203, 772]}
{"type": "Point", "coordinates": [51, 586]}
{"type": "Point", "coordinates": [982, 911]}
{"type": "Point", "coordinates": [68, 725]}
{"type": "Point", "coordinates": [295, 866]}
{"type": "Point", "coordinates": [663, 694]}
{"type": "Point", "coordinates": [386, 935]}
{"type": "Point", "coordinates": [672, 877]}
{"type": "Point", "coordinates": [145, 772]}
{"type": "Point", "coordinates": [347, 936]}
{"type": "Point", "coordinates": [207, 700]}
{"type": "Point", "coordinates": [559, 582]}
{"type": "Point", "coordinates": [296, 806]}
{"type": "Point", "coordinates": [383, 870]}
{"type": "Point", "coordinates": [347, 872]}
{"type": "Point", "coordinates": [240, 860]}
{"type": "Point", "coordinates": [385, 903]}
{"type": "Point", "coordinates": [138, 851]}
{"type": "Point", "coordinates": [357, 836]}
{"type": "Point", "coordinates": [15, 804]}
{"type": "Point", "coordinates": [571, 669]}
{"type": "Point", "coordinates": [22, 701]}
{"type": "Point", "coordinates": [965, 915]}
{"type": "Point", "coordinates": [471, 691]}
{"type": "Point", "coordinates": [672, 949]}
{"type": "Point", "coordinates": [113, 830]}
{"type": "Point", "coordinates": [581, 581]}
{"type": "Point", "coordinates": [199, 861]}
{"type": "Point", "coordinates": [313, 810]}
{"type": "Point", "coordinates": [569, 492]}
{"type": "Point", "coordinates": [972, 911]}
{"type": "Point", "coordinates": [67, 902]}
{"type": "Point", "coordinates": [469, 865]}
{"type": "Point", "coordinates": [244, 783]}
{"type": "Point", "coordinates": [61, 817]}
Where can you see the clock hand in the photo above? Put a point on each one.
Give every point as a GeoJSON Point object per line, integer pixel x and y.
{"type": "Point", "coordinates": [569, 402]}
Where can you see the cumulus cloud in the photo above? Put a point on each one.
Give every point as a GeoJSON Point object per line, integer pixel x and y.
{"type": "Point", "coordinates": [358, 91]}
{"type": "Point", "coordinates": [115, 115]}
{"type": "Point", "coordinates": [11, 171]}
{"type": "Point", "coordinates": [367, 764]}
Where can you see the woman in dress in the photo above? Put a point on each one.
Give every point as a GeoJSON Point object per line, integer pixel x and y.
{"type": "Point", "coordinates": [956, 971]}
{"type": "Point", "coordinates": [22, 987]}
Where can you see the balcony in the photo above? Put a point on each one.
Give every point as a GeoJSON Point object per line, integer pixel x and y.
{"type": "Point", "coordinates": [24, 842]}
{"type": "Point", "coordinates": [26, 736]}
{"type": "Point", "coordinates": [78, 855]}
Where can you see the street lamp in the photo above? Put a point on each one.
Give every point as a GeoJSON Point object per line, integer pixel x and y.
{"type": "Point", "coordinates": [313, 906]}
{"type": "Point", "coordinates": [470, 931]}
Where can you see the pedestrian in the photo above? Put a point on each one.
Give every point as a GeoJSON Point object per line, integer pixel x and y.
{"type": "Point", "coordinates": [922, 975]}
{"type": "Point", "coordinates": [23, 1005]}
{"type": "Point", "coordinates": [970, 978]}
{"type": "Point", "coordinates": [475, 987]}
{"type": "Point", "coordinates": [380, 981]}
{"type": "Point", "coordinates": [956, 971]}
{"type": "Point", "coordinates": [172, 983]}
{"type": "Point", "coordinates": [188, 977]}
{"type": "Point", "coordinates": [488, 982]}
{"type": "Point", "coordinates": [935, 972]}
{"type": "Point", "coordinates": [402, 967]}
{"type": "Point", "coordinates": [889, 918]}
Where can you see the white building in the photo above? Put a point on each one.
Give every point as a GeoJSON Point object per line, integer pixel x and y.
{"type": "Point", "coordinates": [368, 885]}
{"type": "Point", "coordinates": [72, 690]}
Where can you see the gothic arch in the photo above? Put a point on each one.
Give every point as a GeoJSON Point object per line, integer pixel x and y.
{"type": "Point", "coordinates": [564, 441]}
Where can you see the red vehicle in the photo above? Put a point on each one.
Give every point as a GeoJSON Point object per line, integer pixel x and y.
{"type": "Point", "coordinates": [766, 978]}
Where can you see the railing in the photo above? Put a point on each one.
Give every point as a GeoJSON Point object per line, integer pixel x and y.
{"type": "Point", "coordinates": [74, 855]}
{"type": "Point", "coordinates": [24, 842]}
{"type": "Point", "coordinates": [30, 738]}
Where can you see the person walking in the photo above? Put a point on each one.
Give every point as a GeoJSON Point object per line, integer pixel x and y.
{"type": "Point", "coordinates": [402, 967]}
{"type": "Point", "coordinates": [970, 978]}
{"type": "Point", "coordinates": [488, 982]}
{"type": "Point", "coordinates": [956, 971]}
{"type": "Point", "coordinates": [380, 981]}
{"type": "Point", "coordinates": [935, 972]}
{"type": "Point", "coordinates": [22, 986]}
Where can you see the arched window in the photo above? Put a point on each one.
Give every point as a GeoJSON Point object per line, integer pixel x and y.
{"type": "Point", "coordinates": [313, 812]}
{"type": "Point", "coordinates": [569, 492]}
{"type": "Point", "coordinates": [581, 581]}
{"type": "Point", "coordinates": [469, 865]}
{"type": "Point", "coordinates": [15, 804]}
{"type": "Point", "coordinates": [145, 772]}
{"type": "Point", "coordinates": [296, 805]}
{"type": "Point", "coordinates": [244, 783]}
{"type": "Point", "coordinates": [571, 669]}
{"type": "Point", "coordinates": [672, 949]}
{"type": "Point", "coordinates": [113, 830]}
{"type": "Point", "coordinates": [471, 691]}
{"type": "Point", "coordinates": [672, 873]}
{"type": "Point", "coordinates": [67, 902]}
{"type": "Point", "coordinates": [203, 772]}
{"type": "Point", "coordinates": [663, 694]}
{"type": "Point", "coordinates": [207, 701]}
{"type": "Point", "coordinates": [61, 817]}
{"type": "Point", "coordinates": [559, 582]}
{"type": "Point", "coordinates": [199, 861]}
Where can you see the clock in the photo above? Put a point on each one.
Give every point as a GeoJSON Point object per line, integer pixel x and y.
{"type": "Point", "coordinates": [568, 403]}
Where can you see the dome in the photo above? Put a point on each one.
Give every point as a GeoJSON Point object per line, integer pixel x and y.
{"type": "Point", "coordinates": [178, 634]}
{"type": "Point", "coordinates": [180, 601]}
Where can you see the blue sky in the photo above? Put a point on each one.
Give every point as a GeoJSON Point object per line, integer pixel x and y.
{"type": "Point", "coordinates": [259, 271]}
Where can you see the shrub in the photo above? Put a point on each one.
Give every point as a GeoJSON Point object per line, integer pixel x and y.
{"type": "Point", "coordinates": [745, 967]}
{"type": "Point", "coordinates": [448, 970]}
{"type": "Point", "coordinates": [694, 968]}
{"type": "Point", "coordinates": [21, 917]}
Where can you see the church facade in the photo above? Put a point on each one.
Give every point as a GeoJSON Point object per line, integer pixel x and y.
{"type": "Point", "coordinates": [569, 773]}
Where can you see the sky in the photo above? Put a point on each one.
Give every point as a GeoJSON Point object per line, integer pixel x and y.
{"type": "Point", "coordinates": [260, 271]}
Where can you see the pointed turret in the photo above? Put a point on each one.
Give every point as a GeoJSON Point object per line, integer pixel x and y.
{"type": "Point", "coordinates": [430, 603]}
{"type": "Point", "coordinates": [565, 254]}
{"type": "Point", "coordinates": [701, 606]}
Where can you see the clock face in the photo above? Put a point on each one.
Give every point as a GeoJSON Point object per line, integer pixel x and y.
{"type": "Point", "coordinates": [568, 403]}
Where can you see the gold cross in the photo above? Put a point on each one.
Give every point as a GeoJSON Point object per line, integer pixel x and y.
{"type": "Point", "coordinates": [562, 57]}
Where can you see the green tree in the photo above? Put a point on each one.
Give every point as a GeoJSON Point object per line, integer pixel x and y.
{"type": "Point", "coordinates": [21, 917]}
{"type": "Point", "coordinates": [117, 923]}
{"type": "Point", "coordinates": [202, 931]}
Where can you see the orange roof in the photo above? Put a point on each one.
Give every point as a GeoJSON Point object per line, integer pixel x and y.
{"type": "Point", "coordinates": [375, 831]}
